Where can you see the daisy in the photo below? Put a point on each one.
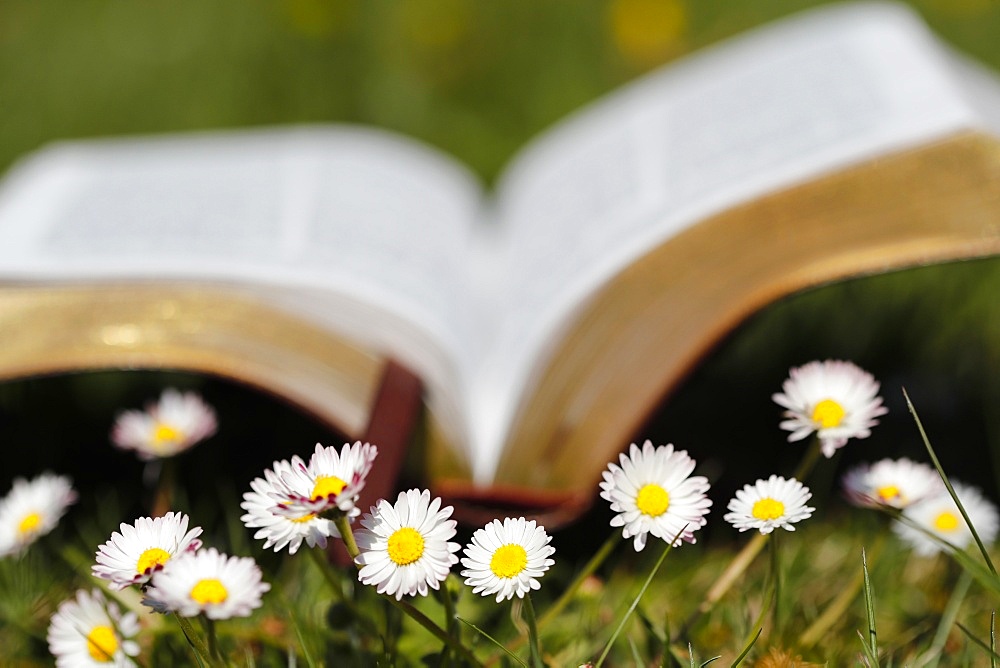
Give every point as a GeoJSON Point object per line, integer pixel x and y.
{"type": "Point", "coordinates": [769, 504]}
{"type": "Point", "coordinates": [331, 481]}
{"type": "Point", "coordinates": [404, 547]}
{"type": "Point", "coordinates": [279, 530]}
{"type": "Point", "coordinates": [653, 492]}
{"type": "Point", "coordinates": [835, 399]}
{"type": "Point", "coordinates": [171, 425]}
{"type": "Point", "coordinates": [32, 509]}
{"type": "Point", "coordinates": [507, 558]}
{"type": "Point", "coordinates": [139, 550]}
{"type": "Point", "coordinates": [890, 482]}
{"type": "Point", "coordinates": [207, 582]}
{"type": "Point", "coordinates": [939, 516]}
{"type": "Point", "coordinates": [90, 631]}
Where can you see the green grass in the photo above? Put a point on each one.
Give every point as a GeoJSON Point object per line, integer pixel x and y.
{"type": "Point", "coordinates": [916, 617]}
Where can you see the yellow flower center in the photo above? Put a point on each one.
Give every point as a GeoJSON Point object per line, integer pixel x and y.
{"type": "Point", "coordinates": [888, 493]}
{"type": "Point", "coordinates": [102, 643]}
{"type": "Point", "coordinates": [509, 561]}
{"type": "Point", "coordinates": [29, 523]}
{"type": "Point", "coordinates": [406, 545]}
{"type": "Point", "coordinates": [828, 413]}
{"type": "Point", "coordinates": [209, 591]}
{"type": "Point", "coordinates": [768, 509]}
{"type": "Point", "coordinates": [946, 521]}
{"type": "Point", "coordinates": [150, 559]}
{"type": "Point", "coordinates": [164, 434]}
{"type": "Point", "coordinates": [327, 485]}
{"type": "Point", "coordinates": [652, 500]}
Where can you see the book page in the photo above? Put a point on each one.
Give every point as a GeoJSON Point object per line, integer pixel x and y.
{"type": "Point", "coordinates": [359, 229]}
{"type": "Point", "coordinates": [781, 106]}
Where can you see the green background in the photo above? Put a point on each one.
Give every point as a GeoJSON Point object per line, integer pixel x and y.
{"type": "Point", "coordinates": [478, 80]}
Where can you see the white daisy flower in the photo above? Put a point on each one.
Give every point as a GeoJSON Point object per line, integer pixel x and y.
{"type": "Point", "coordinates": [32, 509]}
{"type": "Point", "coordinates": [139, 550]}
{"type": "Point", "coordinates": [404, 547]}
{"type": "Point", "coordinates": [171, 425]}
{"type": "Point", "coordinates": [331, 481]}
{"type": "Point", "coordinates": [653, 492]}
{"type": "Point", "coordinates": [90, 631]}
{"type": "Point", "coordinates": [770, 504]}
{"type": "Point", "coordinates": [207, 582]}
{"type": "Point", "coordinates": [507, 558]}
{"type": "Point", "coordinates": [891, 482]}
{"type": "Point", "coordinates": [938, 515]}
{"type": "Point", "coordinates": [837, 400]}
{"type": "Point", "coordinates": [279, 530]}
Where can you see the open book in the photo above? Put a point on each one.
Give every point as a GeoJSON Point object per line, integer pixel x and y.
{"type": "Point", "coordinates": [548, 318]}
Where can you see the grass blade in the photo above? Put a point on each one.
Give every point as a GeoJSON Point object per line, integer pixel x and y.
{"type": "Point", "coordinates": [991, 651]}
{"type": "Point", "coordinates": [635, 601]}
{"type": "Point", "coordinates": [746, 650]}
{"type": "Point", "coordinates": [871, 644]}
{"type": "Point", "coordinates": [980, 573]}
{"type": "Point", "coordinates": [933, 653]}
{"type": "Point", "coordinates": [947, 484]}
{"type": "Point", "coordinates": [492, 640]}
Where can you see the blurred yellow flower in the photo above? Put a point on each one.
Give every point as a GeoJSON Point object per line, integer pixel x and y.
{"type": "Point", "coordinates": [647, 31]}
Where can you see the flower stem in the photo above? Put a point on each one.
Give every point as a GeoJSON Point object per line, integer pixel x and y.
{"type": "Point", "coordinates": [213, 640]}
{"type": "Point", "coordinates": [638, 597]}
{"type": "Point", "coordinates": [344, 527]}
{"type": "Point", "coordinates": [746, 556]}
{"type": "Point", "coordinates": [450, 615]}
{"type": "Point", "coordinates": [197, 644]}
{"type": "Point", "coordinates": [809, 460]}
{"type": "Point", "coordinates": [533, 645]}
{"type": "Point", "coordinates": [434, 629]}
{"type": "Point", "coordinates": [323, 564]}
{"type": "Point", "coordinates": [735, 569]}
{"type": "Point", "coordinates": [570, 592]}
{"type": "Point", "coordinates": [163, 496]}
{"type": "Point", "coordinates": [776, 583]}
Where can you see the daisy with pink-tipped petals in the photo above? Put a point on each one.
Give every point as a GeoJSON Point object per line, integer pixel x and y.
{"type": "Point", "coordinates": [331, 481]}
{"type": "Point", "coordinates": [209, 583]}
{"type": "Point", "coordinates": [834, 399]}
{"type": "Point", "coordinates": [167, 427]}
{"type": "Point", "coordinates": [89, 630]}
{"type": "Point", "coordinates": [32, 509]}
{"type": "Point", "coordinates": [938, 516]}
{"type": "Point", "coordinates": [277, 529]}
{"type": "Point", "coordinates": [891, 482]}
{"type": "Point", "coordinates": [137, 551]}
